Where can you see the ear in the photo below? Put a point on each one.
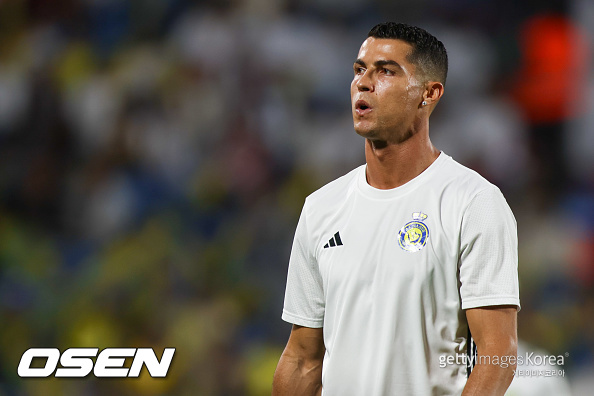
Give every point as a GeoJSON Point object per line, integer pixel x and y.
{"type": "Point", "coordinates": [433, 92]}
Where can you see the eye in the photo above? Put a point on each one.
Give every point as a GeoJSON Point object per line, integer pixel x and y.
{"type": "Point", "coordinates": [387, 72]}
{"type": "Point", "coordinates": [359, 70]}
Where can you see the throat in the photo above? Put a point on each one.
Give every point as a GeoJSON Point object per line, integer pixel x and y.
{"type": "Point", "coordinates": [390, 166]}
{"type": "Point", "coordinates": [378, 144]}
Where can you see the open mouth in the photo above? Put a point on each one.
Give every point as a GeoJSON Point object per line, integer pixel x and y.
{"type": "Point", "coordinates": [362, 107]}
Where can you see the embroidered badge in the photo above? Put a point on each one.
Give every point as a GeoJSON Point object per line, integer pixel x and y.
{"type": "Point", "coordinates": [413, 236]}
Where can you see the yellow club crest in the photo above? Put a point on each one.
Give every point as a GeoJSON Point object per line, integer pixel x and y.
{"type": "Point", "coordinates": [414, 235]}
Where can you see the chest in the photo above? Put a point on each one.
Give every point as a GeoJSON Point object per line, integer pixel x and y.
{"type": "Point", "coordinates": [386, 245]}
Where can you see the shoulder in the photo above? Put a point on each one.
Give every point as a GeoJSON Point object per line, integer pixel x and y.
{"type": "Point", "coordinates": [461, 187]}
{"type": "Point", "coordinates": [466, 182]}
{"type": "Point", "coordinates": [331, 194]}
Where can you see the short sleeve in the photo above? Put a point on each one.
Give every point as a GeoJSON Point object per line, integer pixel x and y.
{"type": "Point", "coordinates": [489, 252]}
{"type": "Point", "coordinates": [304, 295]}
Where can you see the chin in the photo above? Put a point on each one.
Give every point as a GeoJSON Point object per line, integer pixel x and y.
{"type": "Point", "coordinates": [362, 132]}
{"type": "Point", "coordinates": [366, 132]}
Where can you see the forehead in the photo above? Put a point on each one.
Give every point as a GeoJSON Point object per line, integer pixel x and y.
{"type": "Point", "coordinates": [374, 49]}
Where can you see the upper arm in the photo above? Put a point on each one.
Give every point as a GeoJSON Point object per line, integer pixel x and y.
{"type": "Point", "coordinates": [306, 343]}
{"type": "Point", "coordinates": [494, 329]}
{"type": "Point", "coordinates": [489, 271]}
{"type": "Point", "coordinates": [304, 295]}
{"type": "Point", "coordinates": [488, 266]}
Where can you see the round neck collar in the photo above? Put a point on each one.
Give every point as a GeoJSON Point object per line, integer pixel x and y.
{"type": "Point", "coordinates": [376, 193]}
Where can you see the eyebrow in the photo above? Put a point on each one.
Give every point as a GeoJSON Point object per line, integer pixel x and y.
{"type": "Point", "coordinates": [380, 63]}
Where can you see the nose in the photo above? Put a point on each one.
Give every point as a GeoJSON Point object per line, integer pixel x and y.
{"type": "Point", "coordinates": [364, 82]}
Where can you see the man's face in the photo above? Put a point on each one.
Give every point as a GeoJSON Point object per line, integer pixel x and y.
{"type": "Point", "coordinates": [386, 92]}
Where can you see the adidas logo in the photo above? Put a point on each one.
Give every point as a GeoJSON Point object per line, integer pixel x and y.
{"type": "Point", "coordinates": [334, 241]}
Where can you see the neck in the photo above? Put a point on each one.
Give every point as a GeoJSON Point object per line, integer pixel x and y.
{"type": "Point", "coordinates": [390, 165]}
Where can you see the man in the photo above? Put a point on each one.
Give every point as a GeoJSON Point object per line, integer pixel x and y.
{"type": "Point", "coordinates": [394, 264]}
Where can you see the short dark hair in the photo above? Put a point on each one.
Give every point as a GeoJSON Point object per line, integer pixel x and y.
{"type": "Point", "coordinates": [428, 52]}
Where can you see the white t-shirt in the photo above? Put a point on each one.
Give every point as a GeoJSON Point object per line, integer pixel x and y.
{"type": "Point", "coordinates": [388, 273]}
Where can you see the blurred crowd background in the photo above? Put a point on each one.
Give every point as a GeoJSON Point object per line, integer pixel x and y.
{"type": "Point", "coordinates": [155, 155]}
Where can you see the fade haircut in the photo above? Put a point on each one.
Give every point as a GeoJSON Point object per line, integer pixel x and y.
{"type": "Point", "coordinates": [428, 53]}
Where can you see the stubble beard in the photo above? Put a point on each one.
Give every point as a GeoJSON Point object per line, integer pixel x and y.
{"type": "Point", "coordinates": [381, 137]}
